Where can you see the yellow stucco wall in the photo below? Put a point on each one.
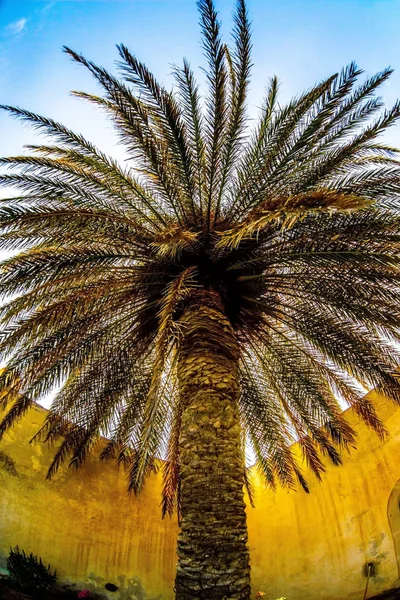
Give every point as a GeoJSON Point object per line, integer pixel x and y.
{"type": "Point", "coordinates": [84, 523]}
{"type": "Point", "coordinates": [313, 546]}
{"type": "Point", "coordinates": [303, 546]}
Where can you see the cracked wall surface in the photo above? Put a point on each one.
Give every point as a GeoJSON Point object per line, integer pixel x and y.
{"type": "Point", "coordinates": [303, 546]}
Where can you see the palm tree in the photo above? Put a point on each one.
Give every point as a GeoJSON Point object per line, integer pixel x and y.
{"type": "Point", "coordinates": [219, 293]}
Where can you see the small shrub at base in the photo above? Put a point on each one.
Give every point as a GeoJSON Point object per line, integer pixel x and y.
{"type": "Point", "coordinates": [28, 574]}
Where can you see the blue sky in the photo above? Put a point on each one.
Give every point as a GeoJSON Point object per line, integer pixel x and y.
{"type": "Point", "coordinates": [302, 41]}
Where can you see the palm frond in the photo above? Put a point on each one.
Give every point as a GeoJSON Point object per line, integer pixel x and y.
{"type": "Point", "coordinates": [155, 410]}
{"type": "Point", "coordinates": [171, 468]}
{"type": "Point", "coordinates": [194, 123]}
{"type": "Point", "coordinates": [216, 116]}
{"type": "Point", "coordinates": [240, 66]}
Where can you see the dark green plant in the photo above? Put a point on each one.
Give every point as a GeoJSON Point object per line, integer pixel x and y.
{"type": "Point", "coordinates": [221, 288]}
{"type": "Point", "coordinates": [28, 574]}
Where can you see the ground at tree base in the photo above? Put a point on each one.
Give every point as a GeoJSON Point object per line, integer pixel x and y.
{"type": "Point", "coordinates": [393, 594]}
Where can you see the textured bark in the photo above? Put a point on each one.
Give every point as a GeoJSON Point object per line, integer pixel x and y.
{"type": "Point", "coordinates": [213, 558]}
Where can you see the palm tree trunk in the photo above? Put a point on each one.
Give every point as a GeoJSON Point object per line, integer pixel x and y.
{"type": "Point", "coordinates": [213, 558]}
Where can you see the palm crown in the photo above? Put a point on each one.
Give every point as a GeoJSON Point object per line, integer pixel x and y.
{"type": "Point", "coordinates": [293, 224]}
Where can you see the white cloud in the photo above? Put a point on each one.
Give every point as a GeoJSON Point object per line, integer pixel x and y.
{"type": "Point", "coordinates": [18, 26]}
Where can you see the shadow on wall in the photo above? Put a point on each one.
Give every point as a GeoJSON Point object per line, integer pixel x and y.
{"type": "Point", "coordinates": [8, 464]}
